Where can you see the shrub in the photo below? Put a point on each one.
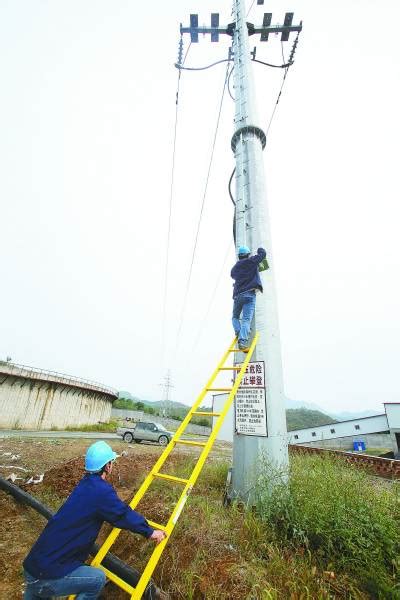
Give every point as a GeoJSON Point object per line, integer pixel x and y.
{"type": "Point", "coordinates": [346, 520]}
{"type": "Point", "coordinates": [110, 426]}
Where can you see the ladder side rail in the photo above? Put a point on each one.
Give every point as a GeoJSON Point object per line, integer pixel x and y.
{"type": "Point", "coordinates": [154, 558]}
{"type": "Point", "coordinates": [221, 418]}
{"type": "Point", "coordinates": [203, 392]}
{"type": "Point", "coordinates": [158, 550]}
{"type": "Point", "coordinates": [150, 477]}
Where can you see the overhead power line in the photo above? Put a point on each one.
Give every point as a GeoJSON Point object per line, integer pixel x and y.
{"type": "Point", "coordinates": [250, 9]}
{"type": "Point", "coordinates": [171, 189]}
{"type": "Point", "coordinates": [286, 66]}
{"type": "Point", "coordinates": [212, 297]}
{"type": "Point", "coordinates": [201, 213]}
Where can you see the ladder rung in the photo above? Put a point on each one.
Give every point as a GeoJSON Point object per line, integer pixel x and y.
{"type": "Point", "coordinates": [120, 582]}
{"type": "Point", "coordinates": [237, 350]}
{"type": "Point", "coordinates": [230, 368]}
{"type": "Point", "coordinates": [170, 477]}
{"type": "Point", "coordinates": [190, 442]}
{"type": "Point", "coordinates": [208, 414]}
{"type": "Point", "coordinates": [219, 389]}
{"type": "Point", "coordinates": [156, 525]}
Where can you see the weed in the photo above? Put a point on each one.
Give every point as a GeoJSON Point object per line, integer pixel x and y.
{"type": "Point", "coordinates": [111, 426]}
{"type": "Point", "coordinates": [331, 510]}
{"type": "Point", "coordinates": [49, 498]}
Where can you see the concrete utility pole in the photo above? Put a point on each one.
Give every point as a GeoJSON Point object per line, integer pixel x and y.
{"type": "Point", "coordinates": [252, 229]}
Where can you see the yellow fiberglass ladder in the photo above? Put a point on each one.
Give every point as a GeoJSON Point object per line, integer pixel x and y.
{"type": "Point", "coordinates": [155, 473]}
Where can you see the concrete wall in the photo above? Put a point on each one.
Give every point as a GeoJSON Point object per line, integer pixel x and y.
{"type": "Point", "coordinates": [124, 413]}
{"type": "Point", "coordinates": [393, 415]}
{"type": "Point", "coordinates": [42, 400]}
{"type": "Point", "coordinates": [373, 440]}
{"type": "Point", "coordinates": [173, 425]}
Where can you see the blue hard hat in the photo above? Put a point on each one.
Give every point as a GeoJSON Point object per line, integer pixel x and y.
{"type": "Point", "coordinates": [243, 250]}
{"type": "Point", "coordinates": [98, 455]}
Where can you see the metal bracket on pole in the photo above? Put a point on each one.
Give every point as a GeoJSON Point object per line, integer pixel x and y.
{"type": "Point", "coordinates": [257, 131]}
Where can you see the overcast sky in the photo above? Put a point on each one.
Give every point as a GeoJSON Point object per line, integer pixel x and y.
{"type": "Point", "coordinates": [87, 122]}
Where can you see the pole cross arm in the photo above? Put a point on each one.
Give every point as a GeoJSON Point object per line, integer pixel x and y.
{"type": "Point", "coordinates": [264, 31]}
{"type": "Point", "coordinates": [194, 31]}
{"type": "Point", "coordinates": [230, 28]}
{"type": "Point", "coordinates": [215, 30]}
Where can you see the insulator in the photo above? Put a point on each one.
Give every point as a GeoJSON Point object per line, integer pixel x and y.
{"type": "Point", "coordinates": [180, 51]}
{"type": "Point", "coordinates": [293, 48]}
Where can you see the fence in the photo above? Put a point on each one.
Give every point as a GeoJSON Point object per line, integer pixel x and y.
{"type": "Point", "coordinates": [44, 375]}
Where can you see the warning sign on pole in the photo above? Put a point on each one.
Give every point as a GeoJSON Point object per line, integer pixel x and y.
{"type": "Point", "coordinates": [250, 409]}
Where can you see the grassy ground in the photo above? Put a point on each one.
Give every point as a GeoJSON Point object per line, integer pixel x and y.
{"type": "Point", "coordinates": [110, 426]}
{"type": "Point", "coordinates": [332, 533]}
{"type": "Point", "coordinates": [376, 451]}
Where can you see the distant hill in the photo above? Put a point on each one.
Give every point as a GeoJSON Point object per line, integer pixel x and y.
{"type": "Point", "coordinates": [300, 418]}
{"type": "Point", "coordinates": [156, 404]}
{"type": "Point", "coordinates": [126, 396]}
{"type": "Point", "coordinates": [342, 416]}
{"type": "Point", "coordinates": [296, 418]}
{"type": "Point", "coordinates": [346, 416]}
{"type": "Point", "coordinates": [175, 410]}
{"type": "Point", "coordinates": [289, 403]}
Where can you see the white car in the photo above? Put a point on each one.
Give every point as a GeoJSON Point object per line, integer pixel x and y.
{"type": "Point", "coordinates": [145, 431]}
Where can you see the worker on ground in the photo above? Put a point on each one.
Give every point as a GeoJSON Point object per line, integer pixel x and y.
{"type": "Point", "coordinates": [247, 282]}
{"type": "Point", "coordinates": [55, 565]}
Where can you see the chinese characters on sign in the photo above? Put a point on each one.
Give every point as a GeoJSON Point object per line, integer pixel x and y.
{"type": "Point", "coordinates": [250, 410]}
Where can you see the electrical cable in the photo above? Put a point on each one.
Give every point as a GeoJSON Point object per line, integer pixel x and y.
{"type": "Point", "coordinates": [287, 65]}
{"type": "Point", "coordinates": [230, 188]}
{"type": "Point", "coordinates": [182, 68]}
{"type": "Point", "coordinates": [234, 204]}
{"type": "Point", "coordinates": [218, 281]}
{"type": "Point", "coordinates": [278, 98]}
{"type": "Point", "coordinates": [170, 212]}
{"type": "Point", "coordinates": [229, 88]}
{"type": "Point", "coordinates": [284, 66]}
{"type": "Point", "coordinates": [249, 11]}
{"type": "Point", "coordinates": [201, 214]}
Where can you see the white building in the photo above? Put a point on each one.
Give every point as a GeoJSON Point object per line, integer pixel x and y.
{"type": "Point", "coordinates": [379, 430]}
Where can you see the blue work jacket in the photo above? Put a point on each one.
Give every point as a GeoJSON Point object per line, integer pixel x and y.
{"type": "Point", "coordinates": [65, 542]}
{"type": "Point", "coordinates": [246, 275]}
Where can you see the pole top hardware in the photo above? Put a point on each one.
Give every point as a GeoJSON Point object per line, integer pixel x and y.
{"type": "Point", "coordinates": [215, 30]}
